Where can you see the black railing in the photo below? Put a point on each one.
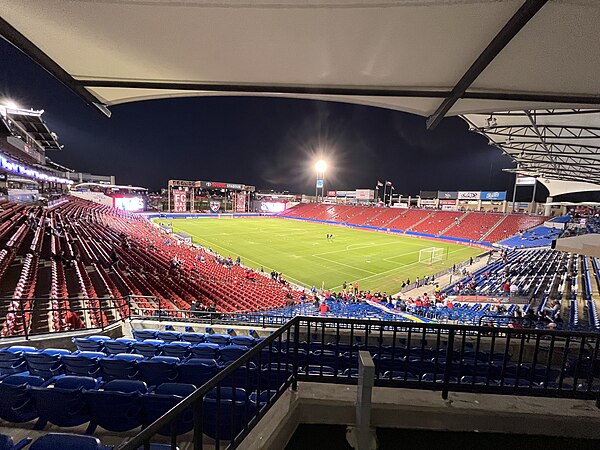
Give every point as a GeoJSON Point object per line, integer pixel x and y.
{"type": "Point", "coordinates": [99, 314]}
{"type": "Point", "coordinates": [229, 405]}
{"type": "Point", "coordinates": [435, 357]}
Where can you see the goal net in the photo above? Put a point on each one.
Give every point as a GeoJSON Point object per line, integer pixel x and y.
{"type": "Point", "coordinates": [431, 255]}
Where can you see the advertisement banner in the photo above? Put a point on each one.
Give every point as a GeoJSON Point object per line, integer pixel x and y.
{"type": "Point", "coordinates": [365, 194]}
{"type": "Point", "coordinates": [496, 195]}
{"type": "Point", "coordinates": [523, 180]}
{"type": "Point", "coordinates": [429, 194]}
{"type": "Point", "coordinates": [448, 195]}
{"type": "Point", "coordinates": [240, 202]}
{"type": "Point", "coordinates": [427, 202]}
{"type": "Point", "coordinates": [330, 193]}
{"type": "Point", "coordinates": [448, 207]}
{"type": "Point", "coordinates": [447, 202]}
{"type": "Point", "coordinates": [320, 184]}
{"type": "Point", "coordinates": [469, 195]}
{"type": "Point", "coordinates": [179, 201]}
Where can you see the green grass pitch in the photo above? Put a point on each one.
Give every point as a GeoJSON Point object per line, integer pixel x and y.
{"type": "Point", "coordinates": [301, 252]}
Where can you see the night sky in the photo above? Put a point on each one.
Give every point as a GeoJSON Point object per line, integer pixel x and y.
{"type": "Point", "coordinates": [269, 143]}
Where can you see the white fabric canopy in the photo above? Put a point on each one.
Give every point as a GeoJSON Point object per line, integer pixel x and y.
{"type": "Point", "coordinates": [341, 50]}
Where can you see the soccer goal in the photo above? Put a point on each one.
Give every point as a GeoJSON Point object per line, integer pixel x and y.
{"type": "Point", "coordinates": [432, 255]}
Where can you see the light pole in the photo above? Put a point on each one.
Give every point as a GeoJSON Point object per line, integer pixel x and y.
{"type": "Point", "coordinates": [320, 167]}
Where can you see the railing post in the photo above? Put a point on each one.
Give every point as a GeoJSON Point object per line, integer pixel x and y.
{"type": "Point", "coordinates": [362, 436]}
{"type": "Point", "coordinates": [25, 330]}
{"type": "Point", "coordinates": [197, 424]}
{"type": "Point", "coordinates": [296, 345]}
{"type": "Point", "coordinates": [448, 368]}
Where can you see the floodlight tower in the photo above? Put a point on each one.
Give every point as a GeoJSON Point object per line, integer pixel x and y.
{"type": "Point", "coordinates": [320, 167]}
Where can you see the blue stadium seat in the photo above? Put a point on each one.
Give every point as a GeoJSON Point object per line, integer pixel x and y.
{"type": "Point", "coordinates": [192, 338]}
{"type": "Point", "coordinates": [197, 371]}
{"type": "Point", "coordinates": [121, 366]}
{"type": "Point", "coordinates": [246, 341]}
{"type": "Point", "coordinates": [165, 397]}
{"type": "Point", "coordinates": [158, 370]}
{"type": "Point", "coordinates": [12, 362]}
{"type": "Point", "coordinates": [62, 441]}
{"type": "Point", "coordinates": [205, 351]}
{"type": "Point", "coordinates": [63, 404]}
{"type": "Point", "coordinates": [224, 413]}
{"type": "Point", "coordinates": [400, 376]}
{"type": "Point", "coordinates": [7, 443]}
{"type": "Point", "coordinates": [119, 345]}
{"type": "Point", "coordinates": [178, 349]}
{"type": "Point", "coordinates": [232, 352]}
{"type": "Point", "coordinates": [274, 375]}
{"type": "Point", "coordinates": [243, 377]}
{"type": "Point", "coordinates": [168, 336]}
{"type": "Point", "coordinates": [219, 339]}
{"type": "Point", "coordinates": [142, 335]}
{"type": "Point", "coordinates": [84, 364]}
{"type": "Point", "coordinates": [148, 348]}
{"type": "Point", "coordinates": [17, 405]}
{"type": "Point", "coordinates": [46, 363]}
{"type": "Point", "coordinates": [87, 344]}
{"type": "Point", "coordinates": [118, 407]}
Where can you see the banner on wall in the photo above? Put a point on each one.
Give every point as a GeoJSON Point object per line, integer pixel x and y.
{"type": "Point", "coordinates": [429, 194]}
{"type": "Point", "coordinates": [469, 195]}
{"type": "Point", "coordinates": [331, 194]}
{"type": "Point", "coordinates": [495, 195]}
{"type": "Point", "coordinates": [179, 201]}
{"type": "Point", "coordinates": [448, 195]}
{"type": "Point", "coordinates": [448, 202]}
{"type": "Point", "coordinates": [523, 180]}
{"type": "Point", "coordinates": [240, 202]}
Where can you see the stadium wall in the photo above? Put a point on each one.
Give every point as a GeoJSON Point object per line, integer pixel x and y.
{"type": "Point", "coordinates": [155, 215]}
{"type": "Point", "coordinates": [431, 237]}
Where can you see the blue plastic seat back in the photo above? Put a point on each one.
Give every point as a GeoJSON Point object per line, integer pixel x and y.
{"type": "Point", "coordinates": [243, 377]}
{"type": "Point", "coordinates": [219, 339]}
{"type": "Point", "coordinates": [117, 368]}
{"type": "Point", "coordinates": [247, 341]}
{"type": "Point", "coordinates": [64, 407]}
{"type": "Point", "coordinates": [148, 348]}
{"type": "Point", "coordinates": [205, 351]}
{"type": "Point", "coordinates": [155, 405]}
{"type": "Point", "coordinates": [17, 405]}
{"type": "Point", "coordinates": [21, 349]}
{"type": "Point", "coordinates": [232, 352]}
{"type": "Point", "coordinates": [197, 371]}
{"type": "Point", "coordinates": [142, 335]}
{"type": "Point", "coordinates": [116, 346]}
{"type": "Point", "coordinates": [225, 418]}
{"type": "Point", "coordinates": [114, 410]}
{"type": "Point", "coordinates": [193, 338]}
{"type": "Point", "coordinates": [82, 365]}
{"type": "Point", "coordinates": [12, 362]}
{"type": "Point", "coordinates": [46, 364]}
{"type": "Point", "coordinates": [178, 349]}
{"type": "Point", "coordinates": [126, 386]}
{"type": "Point", "coordinates": [155, 372]}
{"type": "Point", "coordinates": [60, 441]}
{"type": "Point", "coordinates": [88, 345]}
{"type": "Point", "coordinates": [168, 336]}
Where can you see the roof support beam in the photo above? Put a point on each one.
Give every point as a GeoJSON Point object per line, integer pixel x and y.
{"type": "Point", "coordinates": [523, 15]}
{"type": "Point", "coordinates": [14, 37]}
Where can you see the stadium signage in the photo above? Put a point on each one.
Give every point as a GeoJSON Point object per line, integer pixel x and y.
{"type": "Point", "coordinates": [215, 206]}
{"type": "Point", "coordinates": [429, 194]}
{"type": "Point", "coordinates": [10, 166]}
{"type": "Point", "coordinates": [469, 195]}
{"type": "Point", "coordinates": [330, 193]}
{"type": "Point", "coordinates": [448, 195]}
{"type": "Point", "coordinates": [493, 195]}
{"type": "Point", "coordinates": [522, 180]}
{"type": "Point", "coordinates": [447, 202]}
{"type": "Point", "coordinates": [179, 201]}
{"type": "Point", "coordinates": [320, 184]}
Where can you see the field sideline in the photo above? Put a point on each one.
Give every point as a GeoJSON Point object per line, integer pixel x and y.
{"type": "Point", "coordinates": [302, 253]}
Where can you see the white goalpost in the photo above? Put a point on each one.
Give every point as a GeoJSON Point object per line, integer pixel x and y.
{"type": "Point", "coordinates": [431, 255]}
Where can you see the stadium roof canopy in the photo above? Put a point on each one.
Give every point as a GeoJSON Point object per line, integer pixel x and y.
{"type": "Point", "coordinates": [429, 57]}
{"type": "Point", "coordinates": [30, 122]}
{"type": "Point", "coordinates": [561, 147]}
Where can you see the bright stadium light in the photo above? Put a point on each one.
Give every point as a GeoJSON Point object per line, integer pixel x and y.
{"type": "Point", "coordinates": [11, 104]}
{"type": "Point", "coordinates": [320, 166]}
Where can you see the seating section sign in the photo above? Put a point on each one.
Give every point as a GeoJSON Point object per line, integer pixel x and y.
{"type": "Point", "coordinates": [179, 201]}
